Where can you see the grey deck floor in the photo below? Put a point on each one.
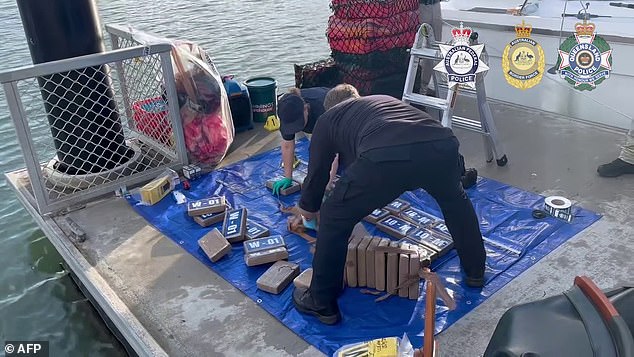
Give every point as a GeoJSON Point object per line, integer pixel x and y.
{"type": "Point", "coordinates": [165, 299]}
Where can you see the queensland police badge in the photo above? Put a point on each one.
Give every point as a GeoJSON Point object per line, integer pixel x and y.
{"type": "Point", "coordinates": [585, 59]}
{"type": "Point", "coordinates": [523, 59]}
{"type": "Point", "coordinates": [461, 61]}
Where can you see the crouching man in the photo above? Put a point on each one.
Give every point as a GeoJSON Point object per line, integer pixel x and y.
{"type": "Point", "coordinates": [386, 147]}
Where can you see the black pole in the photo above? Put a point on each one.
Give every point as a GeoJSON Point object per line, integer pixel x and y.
{"type": "Point", "coordinates": [80, 104]}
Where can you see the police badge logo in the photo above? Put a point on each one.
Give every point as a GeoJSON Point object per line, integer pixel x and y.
{"type": "Point", "coordinates": [461, 61]}
{"type": "Point", "coordinates": [585, 59]}
{"type": "Point", "coordinates": [523, 59]}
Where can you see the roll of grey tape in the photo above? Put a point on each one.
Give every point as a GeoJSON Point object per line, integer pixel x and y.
{"type": "Point", "coordinates": [559, 207]}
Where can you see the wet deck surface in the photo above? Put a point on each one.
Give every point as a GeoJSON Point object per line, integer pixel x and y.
{"type": "Point", "coordinates": [189, 310]}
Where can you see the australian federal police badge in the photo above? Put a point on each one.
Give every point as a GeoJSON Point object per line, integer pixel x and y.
{"type": "Point", "coordinates": [585, 59]}
{"type": "Point", "coordinates": [461, 61]}
{"type": "Point", "coordinates": [523, 59]}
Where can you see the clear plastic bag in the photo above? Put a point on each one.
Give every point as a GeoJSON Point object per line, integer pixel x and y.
{"type": "Point", "coordinates": [202, 100]}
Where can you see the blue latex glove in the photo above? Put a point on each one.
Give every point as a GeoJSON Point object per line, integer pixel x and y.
{"type": "Point", "coordinates": [281, 184]}
{"type": "Point", "coordinates": [310, 224]}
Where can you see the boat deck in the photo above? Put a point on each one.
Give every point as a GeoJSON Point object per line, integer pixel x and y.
{"type": "Point", "coordinates": [164, 301]}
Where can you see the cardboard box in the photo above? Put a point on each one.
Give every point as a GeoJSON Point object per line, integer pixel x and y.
{"type": "Point", "coordinates": [214, 245]}
{"type": "Point", "coordinates": [209, 205]}
{"type": "Point", "coordinates": [277, 277]}
{"type": "Point", "coordinates": [156, 190]}
{"type": "Point", "coordinates": [234, 227]}
{"type": "Point", "coordinates": [394, 226]}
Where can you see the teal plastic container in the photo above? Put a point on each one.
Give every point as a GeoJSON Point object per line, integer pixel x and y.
{"type": "Point", "coordinates": [262, 91]}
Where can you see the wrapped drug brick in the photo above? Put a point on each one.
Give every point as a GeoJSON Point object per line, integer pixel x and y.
{"type": "Point", "coordinates": [214, 245]}
{"type": "Point", "coordinates": [264, 250]}
{"type": "Point", "coordinates": [277, 277]}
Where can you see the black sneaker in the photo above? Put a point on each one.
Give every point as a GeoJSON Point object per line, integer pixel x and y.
{"type": "Point", "coordinates": [615, 168]}
{"type": "Point", "coordinates": [470, 178]}
{"type": "Point", "coordinates": [305, 304]}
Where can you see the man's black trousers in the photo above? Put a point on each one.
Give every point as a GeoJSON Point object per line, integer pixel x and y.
{"type": "Point", "coordinates": [377, 178]}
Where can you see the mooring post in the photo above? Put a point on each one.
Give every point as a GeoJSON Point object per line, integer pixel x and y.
{"type": "Point", "coordinates": [80, 104]}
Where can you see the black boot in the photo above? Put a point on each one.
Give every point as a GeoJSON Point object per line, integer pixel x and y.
{"type": "Point", "coordinates": [475, 282]}
{"type": "Point", "coordinates": [305, 304]}
{"type": "Point", "coordinates": [615, 168]}
{"type": "Point", "coordinates": [469, 178]}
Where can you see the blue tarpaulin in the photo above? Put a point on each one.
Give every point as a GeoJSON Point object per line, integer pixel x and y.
{"type": "Point", "coordinates": [514, 242]}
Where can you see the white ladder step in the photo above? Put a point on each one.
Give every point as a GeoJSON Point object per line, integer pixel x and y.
{"type": "Point", "coordinates": [429, 53]}
{"type": "Point", "coordinates": [466, 123]}
{"type": "Point", "coordinates": [427, 101]}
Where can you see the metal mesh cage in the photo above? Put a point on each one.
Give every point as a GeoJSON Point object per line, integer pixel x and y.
{"type": "Point", "coordinates": [91, 124]}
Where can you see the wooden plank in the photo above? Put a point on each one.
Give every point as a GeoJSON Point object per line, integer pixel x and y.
{"type": "Point", "coordinates": [303, 280]}
{"type": "Point", "coordinates": [370, 262]}
{"type": "Point", "coordinates": [214, 245]}
{"type": "Point", "coordinates": [209, 205]}
{"type": "Point", "coordinates": [380, 265]}
{"type": "Point", "coordinates": [277, 277]}
{"type": "Point", "coordinates": [403, 273]}
{"type": "Point", "coordinates": [362, 261]}
{"type": "Point", "coordinates": [414, 266]}
{"type": "Point", "coordinates": [376, 215]}
{"type": "Point", "coordinates": [394, 226]}
{"type": "Point", "coordinates": [392, 270]}
{"type": "Point", "coordinates": [396, 206]}
{"type": "Point", "coordinates": [351, 262]}
{"type": "Point", "coordinates": [234, 227]}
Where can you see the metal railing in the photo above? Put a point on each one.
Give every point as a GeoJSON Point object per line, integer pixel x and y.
{"type": "Point", "coordinates": [89, 125]}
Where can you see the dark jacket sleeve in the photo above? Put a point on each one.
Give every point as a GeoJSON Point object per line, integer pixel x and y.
{"type": "Point", "coordinates": [319, 163]}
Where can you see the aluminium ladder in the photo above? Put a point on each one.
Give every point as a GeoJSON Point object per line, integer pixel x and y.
{"type": "Point", "coordinates": [426, 48]}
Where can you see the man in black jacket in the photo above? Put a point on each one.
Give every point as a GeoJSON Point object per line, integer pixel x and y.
{"type": "Point", "coordinates": [386, 147]}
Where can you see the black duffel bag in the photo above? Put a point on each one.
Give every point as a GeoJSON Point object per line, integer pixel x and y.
{"type": "Point", "coordinates": [583, 321]}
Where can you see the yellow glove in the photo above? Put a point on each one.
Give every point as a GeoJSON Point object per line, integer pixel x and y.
{"type": "Point", "coordinates": [272, 123]}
